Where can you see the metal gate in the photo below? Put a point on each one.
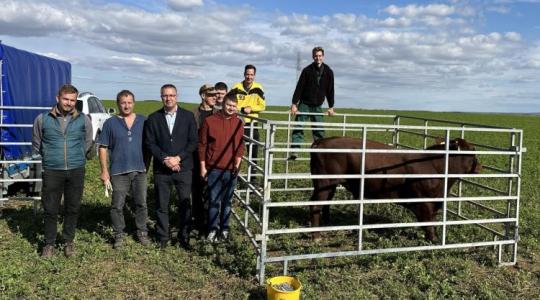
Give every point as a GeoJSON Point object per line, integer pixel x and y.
{"type": "Point", "coordinates": [480, 210]}
{"type": "Point", "coordinates": [22, 169]}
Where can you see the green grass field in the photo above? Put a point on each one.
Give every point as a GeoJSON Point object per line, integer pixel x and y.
{"type": "Point", "coordinates": [227, 271]}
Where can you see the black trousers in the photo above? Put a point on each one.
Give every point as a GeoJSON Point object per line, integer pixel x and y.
{"type": "Point", "coordinates": [56, 183]}
{"type": "Point", "coordinates": [163, 184]}
{"type": "Point", "coordinates": [199, 201]}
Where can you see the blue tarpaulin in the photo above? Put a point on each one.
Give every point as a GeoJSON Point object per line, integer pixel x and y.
{"type": "Point", "coordinates": [28, 79]}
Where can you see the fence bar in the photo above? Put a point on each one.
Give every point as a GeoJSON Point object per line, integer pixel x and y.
{"type": "Point", "coordinates": [387, 250]}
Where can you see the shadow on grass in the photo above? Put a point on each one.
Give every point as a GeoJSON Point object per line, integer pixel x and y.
{"type": "Point", "coordinates": [93, 217]}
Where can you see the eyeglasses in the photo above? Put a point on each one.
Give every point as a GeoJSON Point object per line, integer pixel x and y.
{"type": "Point", "coordinates": [168, 96]}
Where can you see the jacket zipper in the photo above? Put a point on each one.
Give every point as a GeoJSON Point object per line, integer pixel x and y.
{"type": "Point", "coordinates": [65, 147]}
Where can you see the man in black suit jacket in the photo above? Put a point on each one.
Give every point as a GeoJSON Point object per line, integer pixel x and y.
{"type": "Point", "coordinates": [171, 137]}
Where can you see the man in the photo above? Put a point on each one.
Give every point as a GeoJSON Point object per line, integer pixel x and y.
{"type": "Point", "coordinates": [221, 91]}
{"type": "Point", "coordinates": [315, 83]}
{"type": "Point", "coordinates": [122, 136]}
{"type": "Point", "coordinates": [63, 138]}
{"type": "Point", "coordinates": [207, 107]}
{"type": "Point", "coordinates": [220, 150]}
{"type": "Point", "coordinates": [171, 137]}
{"type": "Point", "coordinates": [251, 101]}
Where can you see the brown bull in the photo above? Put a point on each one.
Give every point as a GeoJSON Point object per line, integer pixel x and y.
{"type": "Point", "coordinates": [387, 163]}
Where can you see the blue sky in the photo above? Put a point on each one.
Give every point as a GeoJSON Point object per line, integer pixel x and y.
{"type": "Point", "coordinates": [457, 55]}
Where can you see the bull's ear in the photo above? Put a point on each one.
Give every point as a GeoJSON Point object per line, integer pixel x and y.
{"type": "Point", "coordinates": [439, 141]}
{"type": "Point", "coordinates": [462, 144]}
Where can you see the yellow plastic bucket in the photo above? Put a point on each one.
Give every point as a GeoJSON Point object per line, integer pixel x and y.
{"type": "Point", "coordinates": [275, 294]}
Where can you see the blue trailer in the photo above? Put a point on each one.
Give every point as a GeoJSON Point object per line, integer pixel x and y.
{"type": "Point", "coordinates": [28, 86]}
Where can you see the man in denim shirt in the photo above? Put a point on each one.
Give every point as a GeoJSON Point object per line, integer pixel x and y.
{"type": "Point", "coordinates": [122, 137]}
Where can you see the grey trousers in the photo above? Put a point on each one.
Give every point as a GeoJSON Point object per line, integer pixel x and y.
{"type": "Point", "coordinates": [122, 185]}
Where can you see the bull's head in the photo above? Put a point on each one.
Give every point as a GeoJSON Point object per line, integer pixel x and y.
{"type": "Point", "coordinates": [469, 159]}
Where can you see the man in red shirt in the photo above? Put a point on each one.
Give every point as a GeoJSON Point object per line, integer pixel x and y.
{"type": "Point", "coordinates": [220, 151]}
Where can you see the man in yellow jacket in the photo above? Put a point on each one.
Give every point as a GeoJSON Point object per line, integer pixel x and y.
{"type": "Point", "coordinates": [250, 95]}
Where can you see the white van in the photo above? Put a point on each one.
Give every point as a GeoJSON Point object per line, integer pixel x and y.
{"type": "Point", "coordinates": [89, 104]}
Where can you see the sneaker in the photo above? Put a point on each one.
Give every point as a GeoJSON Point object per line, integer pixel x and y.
{"type": "Point", "coordinates": [212, 236]}
{"type": "Point", "coordinates": [293, 156]}
{"type": "Point", "coordinates": [118, 241]}
{"type": "Point", "coordinates": [47, 251]}
{"type": "Point", "coordinates": [69, 249]}
{"type": "Point", "coordinates": [224, 236]}
{"type": "Point", "coordinates": [144, 239]}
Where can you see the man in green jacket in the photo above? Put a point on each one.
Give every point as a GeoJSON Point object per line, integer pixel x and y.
{"type": "Point", "coordinates": [63, 138]}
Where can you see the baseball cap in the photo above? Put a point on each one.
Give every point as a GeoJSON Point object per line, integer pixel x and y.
{"type": "Point", "coordinates": [207, 89]}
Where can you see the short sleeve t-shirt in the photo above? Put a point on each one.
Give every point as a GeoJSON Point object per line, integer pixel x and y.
{"type": "Point", "coordinates": [125, 145]}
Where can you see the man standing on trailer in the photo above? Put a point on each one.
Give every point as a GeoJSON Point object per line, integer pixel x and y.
{"type": "Point", "coordinates": [171, 136]}
{"type": "Point", "coordinates": [122, 137]}
{"type": "Point", "coordinates": [316, 83]}
{"type": "Point", "coordinates": [63, 138]}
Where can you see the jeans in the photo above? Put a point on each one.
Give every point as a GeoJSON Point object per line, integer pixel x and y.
{"type": "Point", "coordinates": [122, 184]}
{"type": "Point", "coordinates": [298, 134]}
{"type": "Point", "coordinates": [221, 184]}
{"type": "Point", "coordinates": [56, 183]}
{"type": "Point", "coordinates": [162, 185]}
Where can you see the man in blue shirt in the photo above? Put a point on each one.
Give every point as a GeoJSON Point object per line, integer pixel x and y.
{"type": "Point", "coordinates": [122, 138]}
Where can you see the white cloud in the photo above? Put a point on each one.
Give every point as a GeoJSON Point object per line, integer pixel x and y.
{"type": "Point", "coordinates": [181, 5]}
{"type": "Point", "coordinates": [499, 9]}
{"type": "Point", "coordinates": [412, 11]}
{"type": "Point", "coordinates": [22, 18]}
{"type": "Point", "coordinates": [434, 48]}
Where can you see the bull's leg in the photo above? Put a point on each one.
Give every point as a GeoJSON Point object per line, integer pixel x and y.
{"type": "Point", "coordinates": [326, 208]}
{"type": "Point", "coordinates": [316, 210]}
{"type": "Point", "coordinates": [425, 212]}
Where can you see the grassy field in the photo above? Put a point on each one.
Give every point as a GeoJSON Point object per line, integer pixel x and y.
{"type": "Point", "coordinates": [226, 271]}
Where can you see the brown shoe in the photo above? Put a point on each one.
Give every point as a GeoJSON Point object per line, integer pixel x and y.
{"type": "Point", "coordinates": [47, 251]}
{"type": "Point", "coordinates": [69, 249]}
{"type": "Point", "coordinates": [144, 239]}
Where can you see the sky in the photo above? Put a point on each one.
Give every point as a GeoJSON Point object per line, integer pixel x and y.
{"type": "Point", "coordinates": [457, 55]}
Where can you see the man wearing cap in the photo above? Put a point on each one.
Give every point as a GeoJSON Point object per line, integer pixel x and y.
{"type": "Point", "coordinates": [315, 83]}
{"type": "Point", "coordinates": [206, 108]}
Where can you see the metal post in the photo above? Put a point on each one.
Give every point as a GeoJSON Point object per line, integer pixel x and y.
{"type": "Point", "coordinates": [518, 195]}
{"type": "Point", "coordinates": [344, 124]}
{"type": "Point", "coordinates": [425, 133]}
{"type": "Point", "coordinates": [460, 183]}
{"type": "Point", "coordinates": [445, 192]}
{"type": "Point", "coordinates": [395, 135]}
{"type": "Point", "coordinates": [269, 141]}
{"type": "Point", "coordinates": [362, 183]}
{"type": "Point", "coordinates": [289, 137]}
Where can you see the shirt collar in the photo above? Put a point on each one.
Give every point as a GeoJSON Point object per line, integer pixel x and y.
{"type": "Point", "coordinates": [55, 111]}
{"type": "Point", "coordinates": [171, 113]}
